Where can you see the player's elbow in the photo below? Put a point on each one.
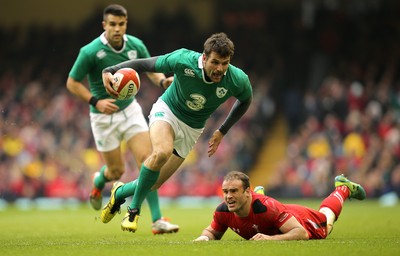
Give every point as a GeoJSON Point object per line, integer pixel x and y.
{"type": "Point", "coordinates": [71, 84]}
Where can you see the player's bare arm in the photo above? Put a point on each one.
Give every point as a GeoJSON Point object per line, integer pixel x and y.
{"type": "Point", "coordinates": [209, 234]}
{"type": "Point", "coordinates": [291, 230]}
{"type": "Point", "coordinates": [160, 80]}
{"type": "Point", "coordinates": [78, 89]}
{"type": "Point", "coordinates": [167, 82]}
{"type": "Point", "coordinates": [105, 106]}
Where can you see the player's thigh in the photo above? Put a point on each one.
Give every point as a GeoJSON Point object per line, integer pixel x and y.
{"type": "Point", "coordinates": [140, 147]}
{"type": "Point", "coordinates": [114, 160]}
{"type": "Point", "coordinates": [162, 136]}
{"type": "Point", "coordinates": [170, 167]}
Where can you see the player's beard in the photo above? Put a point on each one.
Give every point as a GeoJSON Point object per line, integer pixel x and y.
{"type": "Point", "coordinates": [215, 76]}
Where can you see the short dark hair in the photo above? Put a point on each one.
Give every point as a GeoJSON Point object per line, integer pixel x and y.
{"type": "Point", "coordinates": [235, 175]}
{"type": "Point", "coordinates": [116, 10]}
{"type": "Point", "coordinates": [219, 43]}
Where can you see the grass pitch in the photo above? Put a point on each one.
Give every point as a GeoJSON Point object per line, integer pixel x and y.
{"type": "Point", "coordinates": [364, 228]}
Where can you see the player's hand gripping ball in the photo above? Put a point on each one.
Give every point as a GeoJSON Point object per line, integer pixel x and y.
{"type": "Point", "coordinates": [127, 83]}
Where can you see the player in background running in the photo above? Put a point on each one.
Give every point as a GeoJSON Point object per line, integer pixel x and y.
{"type": "Point", "coordinates": [114, 121]}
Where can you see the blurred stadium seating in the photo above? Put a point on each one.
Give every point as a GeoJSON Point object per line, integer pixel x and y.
{"type": "Point", "coordinates": [332, 72]}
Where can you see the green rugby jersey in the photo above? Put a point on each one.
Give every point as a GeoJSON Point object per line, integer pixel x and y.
{"type": "Point", "coordinates": [97, 55]}
{"type": "Point", "coordinates": [190, 97]}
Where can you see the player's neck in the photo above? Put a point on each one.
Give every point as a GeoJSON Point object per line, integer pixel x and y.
{"type": "Point", "coordinates": [245, 210]}
{"type": "Point", "coordinates": [117, 46]}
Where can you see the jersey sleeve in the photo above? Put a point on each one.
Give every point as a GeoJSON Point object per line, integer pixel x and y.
{"type": "Point", "coordinates": [143, 51]}
{"type": "Point", "coordinates": [218, 223]}
{"type": "Point", "coordinates": [167, 63]}
{"type": "Point", "coordinates": [81, 66]}
{"type": "Point", "coordinates": [245, 91]}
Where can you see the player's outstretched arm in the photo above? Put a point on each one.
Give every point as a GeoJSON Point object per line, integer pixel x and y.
{"type": "Point", "coordinates": [209, 234]}
{"type": "Point", "coordinates": [237, 111]}
{"type": "Point", "coordinates": [140, 65]}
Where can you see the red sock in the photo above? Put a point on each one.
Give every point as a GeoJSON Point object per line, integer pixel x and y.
{"type": "Point", "coordinates": [336, 199]}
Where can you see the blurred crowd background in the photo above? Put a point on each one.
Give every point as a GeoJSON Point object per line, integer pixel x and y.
{"type": "Point", "coordinates": [329, 68]}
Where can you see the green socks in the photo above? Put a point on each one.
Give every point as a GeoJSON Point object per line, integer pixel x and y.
{"type": "Point", "coordinates": [126, 190]}
{"type": "Point", "coordinates": [147, 179]}
{"type": "Point", "coordinates": [154, 205]}
{"type": "Point", "coordinates": [100, 181]}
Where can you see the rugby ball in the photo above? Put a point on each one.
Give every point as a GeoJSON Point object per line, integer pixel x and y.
{"type": "Point", "coordinates": [127, 83]}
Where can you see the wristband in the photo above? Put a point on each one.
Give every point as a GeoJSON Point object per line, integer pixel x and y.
{"type": "Point", "coordinates": [93, 101]}
{"type": "Point", "coordinates": [161, 83]}
{"type": "Point", "coordinates": [223, 130]}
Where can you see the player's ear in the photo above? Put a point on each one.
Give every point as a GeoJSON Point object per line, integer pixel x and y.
{"type": "Point", "coordinates": [247, 191]}
{"type": "Point", "coordinates": [104, 24]}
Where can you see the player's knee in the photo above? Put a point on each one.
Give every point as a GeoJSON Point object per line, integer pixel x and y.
{"type": "Point", "coordinates": [160, 157]}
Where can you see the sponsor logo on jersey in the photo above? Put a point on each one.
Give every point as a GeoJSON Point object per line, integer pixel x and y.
{"type": "Point", "coordinates": [197, 103]}
{"type": "Point", "coordinates": [132, 54]}
{"type": "Point", "coordinates": [189, 72]}
{"type": "Point", "coordinates": [101, 54]}
{"type": "Point", "coordinates": [221, 92]}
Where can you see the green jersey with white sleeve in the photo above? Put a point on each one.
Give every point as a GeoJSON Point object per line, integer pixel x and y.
{"type": "Point", "coordinates": [97, 55]}
{"type": "Point", "coordinates": [190, 97]}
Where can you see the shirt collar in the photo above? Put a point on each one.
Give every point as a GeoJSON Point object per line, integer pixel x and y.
{"type": "Point", "coordinates": [200, 61]}
{"type": "Point", "coordinates": [200, 64]}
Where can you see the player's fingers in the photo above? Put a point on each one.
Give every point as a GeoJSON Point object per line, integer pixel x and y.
{"type": "Point", "coordinates": [108, 91]}
{"type": "Point", "coordinates": [108, 82]}
{"type": "Point", "coordinates": [211, 151]}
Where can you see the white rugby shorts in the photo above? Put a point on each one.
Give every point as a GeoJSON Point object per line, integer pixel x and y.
{"type": "Point", "coordinates": [110, 130]}
{"type": "Point", "coordinates": [185, 136]}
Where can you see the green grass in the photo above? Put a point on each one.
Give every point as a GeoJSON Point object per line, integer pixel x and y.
{"type": "Point", "coordinates": [364, 228]}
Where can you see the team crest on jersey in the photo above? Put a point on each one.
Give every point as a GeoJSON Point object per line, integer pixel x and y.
{"type": "Point", "coordinates": [255, 227]}
{"type": "Point", "coordinates": [132, 54]}
{"type": "Point", "coordinates": [221, 92]}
